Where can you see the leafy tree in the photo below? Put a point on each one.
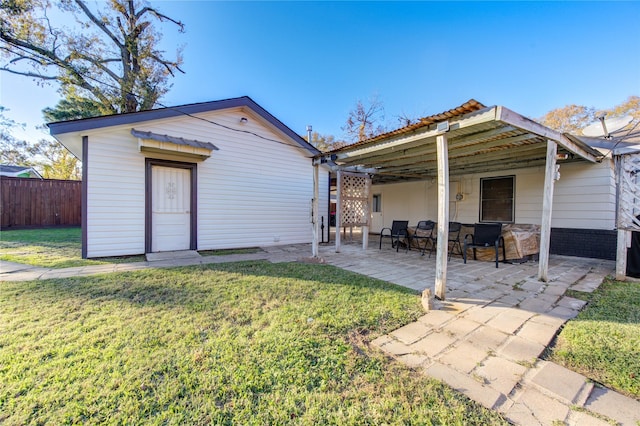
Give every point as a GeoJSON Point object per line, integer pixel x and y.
{"type": "Point", "coordinates": [72, 107]}
{"type": "Point", "coordinates": [13, 151]}
{"type": "Point", "coordinates": [569, 119]}
{"type": "Point", "coordinates": [631, 106]}
{"type": "Point", "coordinates": [574, 118]}
{"type": "Point", "coordinates": [324, 143]}
{"type": "Point", "coordinates": [49, 157]}
{"type": "Point", "coordinates": [365, 120]}
{"type": "Point", "coordinates": [110, 58]}
{"type": "Point", "coordinates": [55, 161]}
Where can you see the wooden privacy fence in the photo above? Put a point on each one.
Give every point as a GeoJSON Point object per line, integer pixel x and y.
{"type": "Point", "coordinates": [37, 203]}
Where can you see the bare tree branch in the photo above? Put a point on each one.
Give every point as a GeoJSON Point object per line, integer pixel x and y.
{"type": "Point", "coordinates": [28, 74]}
{"type": "Point", "coordinates": [99, 23]}
{"type": "Point", "coordinates": [160, 16]}
{"type": "Point", "coordinates": [111, 58]}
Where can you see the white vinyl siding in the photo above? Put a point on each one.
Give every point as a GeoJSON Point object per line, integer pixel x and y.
{"type": "Point", "coordinates": [584, 197]}
{"type": "Point", "coordinates": [115, 196]}
{"type": "Point", "coordinates": [255, 191]}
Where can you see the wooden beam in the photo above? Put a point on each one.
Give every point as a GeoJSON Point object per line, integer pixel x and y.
{"type": "Point", "coordinates": [403, 175]}
{"type": "Point", "coordinates": [519, 155]}
{"type": "Point", "coordinates": [547, 205]}
{"type": "Point", "coordinates": [515, 119]}
{"type": "Point", "coordinates": [443, 217]}
{"type": "Point", "coordinates": [428, 146]}
{"type": "Point", "coordinates": [338, 208]}
{"type": "Point", "coordinates": [496, 166]}
{"type": "Point", "coordinates": [352, 169]}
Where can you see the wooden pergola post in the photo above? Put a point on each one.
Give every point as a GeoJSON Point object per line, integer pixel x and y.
{"type": "Point", "coordinates": [621, 254]}
{"type": "Point", "coordinates": [443, 216]}
{"type": "Point", "coordinates": [547, 204]}
{"type": "Point", "coordinates": [338, 209]}
{"type": "Point", "coordinates": [624, 236]}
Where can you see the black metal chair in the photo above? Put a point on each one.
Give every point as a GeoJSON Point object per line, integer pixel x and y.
{"type": "Point", "coordinates": [397, 232]}
{"type": "Point", "coordinates": [485, 235]}
{"type": "Point", "coordinates": [453, 240]}
{"type": "Point", "coordinates": [423, 232]}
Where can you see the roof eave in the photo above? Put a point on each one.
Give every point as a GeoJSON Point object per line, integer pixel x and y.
{"type": "Point", "coordinates": [86, 124]}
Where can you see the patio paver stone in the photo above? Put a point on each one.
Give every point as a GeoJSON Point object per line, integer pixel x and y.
{"type": "Point", "coordinates": [623, 409]}
{"type": "Point", "coordinates": [500, 374]}
{"type": "Point", "coordinates": [560, 382]}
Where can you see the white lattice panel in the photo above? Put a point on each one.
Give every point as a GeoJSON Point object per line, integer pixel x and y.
{"type": "Point", "coordinates": [354, 195]}
{"type": "Point", "coordinates": [629, 192]}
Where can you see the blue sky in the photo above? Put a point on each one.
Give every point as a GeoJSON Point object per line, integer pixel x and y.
{"type": "Point", "coordinates": [309, 62]}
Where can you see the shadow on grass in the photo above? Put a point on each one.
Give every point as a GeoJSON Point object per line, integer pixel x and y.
{"type": "Point", "coordinates": [198, 286]}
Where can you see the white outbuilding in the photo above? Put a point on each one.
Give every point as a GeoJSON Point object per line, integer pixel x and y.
{"type": "Point", "coordinates": [205, 176]}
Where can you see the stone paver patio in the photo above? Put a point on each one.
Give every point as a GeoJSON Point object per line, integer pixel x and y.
{"type": "Point", "coordinates": [485, 340]}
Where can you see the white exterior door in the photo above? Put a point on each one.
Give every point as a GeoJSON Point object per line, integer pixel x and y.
{"type": "Point", "coordinates": [170, 209]}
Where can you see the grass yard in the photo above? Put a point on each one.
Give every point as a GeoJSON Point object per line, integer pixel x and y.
{"type": "Point", "coordinates": [61, 248]}
{"type": "Point", "coordinates": [50, 248]}
{"type": "Point", "coordinates": [603, 341]}
{"type": "Point", "coordinates": [248, 343]}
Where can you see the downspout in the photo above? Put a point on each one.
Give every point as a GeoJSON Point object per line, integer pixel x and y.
{"type": "Point", "coordinates": [314, 202]}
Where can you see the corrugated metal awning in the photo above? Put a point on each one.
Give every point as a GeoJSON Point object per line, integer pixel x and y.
{"type": "Point", "coordinates": [155, 142]}
{"type": "Point", "coordinates": [480, 139]}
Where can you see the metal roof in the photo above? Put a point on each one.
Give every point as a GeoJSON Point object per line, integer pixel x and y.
{"type": "Point", "coordinates": [173, 139]}
{"type": "Point", "coordinates": [480, 139]}
{"type": "Point", "coordinates": [15, 171]}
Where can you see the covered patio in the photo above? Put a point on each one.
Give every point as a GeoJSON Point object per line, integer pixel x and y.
{"type": "Point", "coordinates": [471, 138]}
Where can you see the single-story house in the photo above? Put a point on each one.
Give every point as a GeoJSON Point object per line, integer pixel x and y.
{"type": "Point", "coordinates": [19, 171]}
{"type": "Point", "coordinates": [474, 164]}
{"type": "Point", "coordinates": [213, 175]}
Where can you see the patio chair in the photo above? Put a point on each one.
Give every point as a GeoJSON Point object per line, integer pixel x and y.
{"type": "Point", "coordinates": [397, 232]}
{"type": "Point", "coordinates": [484, 235]}
{"type": "Point", "coordinates": [453, 239]}
{"type": "Point", "coordinates": [423, 232]}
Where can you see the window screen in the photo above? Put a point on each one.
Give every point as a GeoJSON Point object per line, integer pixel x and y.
{"type": "Point", "coordinates": [497, 199]}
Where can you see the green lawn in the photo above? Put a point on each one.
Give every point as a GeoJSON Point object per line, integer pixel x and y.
{"type": "Point", "coordinates": [603, 341]}
{"type": "Point", "coordinates": [61, 248]}
{"type": "Point", "coordinates": [248, 343]}
{"type": "Point", "coordinates": [50, 248]}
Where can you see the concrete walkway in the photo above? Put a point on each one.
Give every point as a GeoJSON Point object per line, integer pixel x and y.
{"type": "Point", "coordinates": [19, 272]}
{"type": "Point", "coordinates": [485, 340]}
